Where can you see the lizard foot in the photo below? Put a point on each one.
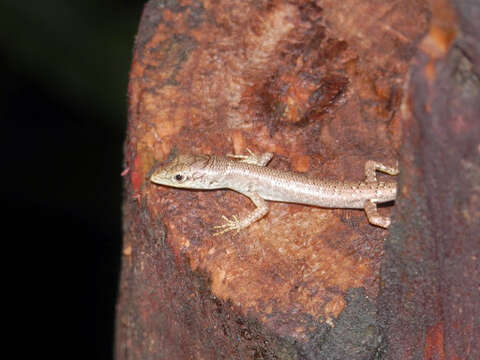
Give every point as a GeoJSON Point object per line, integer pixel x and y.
{"type": "Point", "coordinates": [252, 158]}
{"type": "Point", "coordinates": [233, 224]}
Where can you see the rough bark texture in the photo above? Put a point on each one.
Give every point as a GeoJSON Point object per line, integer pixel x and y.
{"type": "Point", "coordinates": [320, 84]}
{"type": "Point", "coordinates": [430, 301]}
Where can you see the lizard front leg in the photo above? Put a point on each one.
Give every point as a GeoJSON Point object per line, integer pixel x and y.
{"type": "Point", "coordinates": [259, 160]}
{"type": "Point", "coordinates": [239, 224]}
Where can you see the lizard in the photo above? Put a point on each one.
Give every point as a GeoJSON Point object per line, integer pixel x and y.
{"type": "Point", "coordinates": [250, 176]}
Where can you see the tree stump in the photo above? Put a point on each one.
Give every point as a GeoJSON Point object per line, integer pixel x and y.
{"type": "Point", "coordinates": [325, 86]}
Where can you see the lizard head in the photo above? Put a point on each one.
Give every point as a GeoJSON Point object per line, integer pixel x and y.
{"type": "Point", "coordinates": [185, 171]}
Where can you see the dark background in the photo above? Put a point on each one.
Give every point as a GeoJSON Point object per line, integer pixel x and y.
{"type": "Point", "coordinates": [64, 67]}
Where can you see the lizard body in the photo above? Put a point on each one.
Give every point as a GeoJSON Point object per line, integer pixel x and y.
{"type": "Point", "coordinates": [248, 175]}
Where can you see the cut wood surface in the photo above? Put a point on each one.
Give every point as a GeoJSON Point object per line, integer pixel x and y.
{"type": "Point", "coordinates": [321, 84]}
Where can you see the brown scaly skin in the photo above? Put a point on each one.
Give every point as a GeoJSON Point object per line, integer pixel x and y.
{"type": "Point", "coordinates": [248, 175]}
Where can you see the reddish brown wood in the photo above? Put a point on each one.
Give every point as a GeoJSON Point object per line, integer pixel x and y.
{"type": "Point", "coordinates": [430, 302]}
{"type": "Point", "coordinates": [320, 84]}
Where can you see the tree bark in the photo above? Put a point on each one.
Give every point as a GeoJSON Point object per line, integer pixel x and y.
{"type": "Point", "coordinates": [321, 85]}
{"type": "Point", "coordinates": [430, 301]}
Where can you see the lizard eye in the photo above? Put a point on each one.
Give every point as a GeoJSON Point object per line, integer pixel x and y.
{"type": "Point", "coordinates": [179, 177]}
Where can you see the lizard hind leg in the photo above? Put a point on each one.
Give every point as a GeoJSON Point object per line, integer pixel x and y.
{"type": "Point", "coordinates": [374, 217]}
{"type": "Point", "coordinates": [372, 166]}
